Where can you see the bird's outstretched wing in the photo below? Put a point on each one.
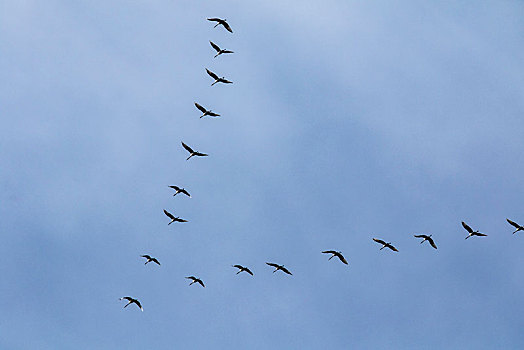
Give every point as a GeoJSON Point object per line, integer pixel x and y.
{"type": "Point", "coordinates": [146, 256]}
{"type": "Point", "coordinates": [200, 154]}
{"type": "Point", "coordinates": [138, 304]}
{"type": "Point", "coordinates": [215, 46]}
{"type": "Point", "coordinates": [513, 223]}
{"type": "Point", "coordinates": [126, 298]}
{"type": "Point", "coordinates": [176, 188]}
{"type": "Point", "coordinates": [430, 240]}
{"type": "Point", "coordinates": [238, 266]}
{"type": "Point", "coordinates": [421, 236]}
{"type": "Point", "coordinates": [467, 227]}
{"type": "Point", "coordinates": [214, 19]}
{"type": "Point", "coordinates": [201, 283]}
{"type": "Point", "coordinates": [187, 148]}
{"type": "Point", "coordinates": [392, 248]}
{"type": "Point", "coordinates": [155, 261]}
{"type": "Point", "coordinates": [285, 270]}
{"type": "Point", "coordinates": [213, 114]}
{"type": "Point", "coordinates": [273, 264]}
{"type": "Point", "coordinates": [227, 51]}
{"type": "Point", "coordinates": [226, 25]}
{"type": "Point", "coordinates": [379, 241]}
{"type": "Point", "coordinates": [329, 252]}
{"type": "Point", "coordinates": [225, 81]}
{"type": "Point", "coordinates": [341, 257]}
{"type": "Point", "coordinates": [248, 271]}
{"type": "Point", "coordinates": [180, 220]}
{"type": "Point", "coordinates": [480, 234]}
{"type": "Point", "coordinates": [202, 109]}
{"type": "Point", "coordinates": [185, 192]}
{"type": "Point", "coordinates": [169, 215]}
{"type": "Point", "coordinates": [211, 74]}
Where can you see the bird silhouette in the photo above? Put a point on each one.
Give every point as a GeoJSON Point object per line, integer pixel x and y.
{"type": "Point", "coordinates": [173, 218]}
{"type": "Point", "coordinates": [427, 238]}
{"type": "Point", "coordinates": [385, 245]}
{"type": "Point", "coordinates": [180, 190]}
{"type": "Point", "coordinates": [279, 267]}
{"type": "Point", "coordinates": [149, 259]}
{"type": "Point", "coordinates": [192, 153]}
{"type": "Point", "coordinates": [195, 280]}
{"type": "Point", "coordinates": [337, 254]}
{"type": "Point", "coordinates": [132, 301]}
{"type": "Point", "coordinates": [218, 49]}
{"type": "Point", "coordinates": [206, 111]}
{"type": "Point", "coordinates": [218, 79]}
{"type": "Point", "coordinates": [242, 268]}
{"type": "Point", "coordinates": [517, 226]}
{"type": "Point", "coordinates": [471, 232]}
{"type": "Point", "coordinates": [222, 22]}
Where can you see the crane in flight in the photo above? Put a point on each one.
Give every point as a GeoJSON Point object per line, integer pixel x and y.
{"type": "Point", "coordinates": [218, 49]}
{"type": "Point", "coordinates": [279, 267]}
{"type": "Point", "coordinates": [173, 218]}
{"type": "Point", "coordinates": [217, 78]}
{"type": "Point", "coordinates": [222, 22]}
{"type": "Point", "coordinates": [471, 232]}
{"type": "Point", "coordinates": [385, 245]}
{"type": "Point", "coordinates": [132, 301]}
{"type": "Point", "coordinates": [517, 226]}
{"type": "Point", "coordinates": [242, 268]}
{"type": "Point", "coordinates": [427, 238]}
{"type": "Point", "coordinates": [196, 280]}
{"type": "Point", "coordinates": [150, 259]}
{"type": "Point", "coordinates": [206, 111]}
{"type": "Point", "coordinates": [193, 153]}
{"type": "Point", "coordinates": [337, 254]}
{"type": "Point", "coordinates": [180, 190]}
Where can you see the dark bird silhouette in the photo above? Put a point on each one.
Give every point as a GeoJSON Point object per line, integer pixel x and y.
{"type": "Point", "coordinates": [471, 232]}
{"type": "Point", "coordinates": [132, 301]}
{"type": "Point", "coordinates": [193, 153]}
{"type": "Point", "coordinates": [221, 22]}
{"type": "Point", "coordinates": [180, 190]}
{"type": "Point", "coordinates": [217, 79]}
{"type": "Point", "coordinates": [149, 259]}
{"type": "Point", "coordinates": [385, 245]}
{"type": "Point", "coordinates": [279, 267]}
{"type": "Point", "coordinates": [206, 111]}
{"type": "Point", "coordinates": [242, 268]}
{"type": "Point", "coordinates": [218, 49]}
{"type": "Point", "coordinates": [173, 218]}
{"type": "Point", "coordinates": [517, 226]}
{"type": "Point", "coordinates": [337, 254]}
{"type": "Point", "coordinates": [195, 280]}
{"type": "Point", "coordinates": [427, 238]}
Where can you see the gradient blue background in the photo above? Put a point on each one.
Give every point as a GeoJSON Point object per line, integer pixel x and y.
{"type": "Point", "coordinates": [347, 120]}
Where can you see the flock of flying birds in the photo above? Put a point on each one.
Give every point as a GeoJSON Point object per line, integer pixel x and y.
{"type": "Point", "coordinates": [192, 153]}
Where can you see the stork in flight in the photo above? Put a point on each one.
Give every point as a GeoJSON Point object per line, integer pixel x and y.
{"type": "Point", "coordinates": [222, 22]}
{"type": "Point", "coordinates": [219, 50]}
{"type": "Point", "coordinates": [217, 79]}
{"type": "Point", "coordinates": [242, 268]}
{"type": "Point", "coordinates": [173, 218]}
{"type": "Point", "coordinates": [180, 190]}
{"type": "Point", "coordinates": [206, 111]}
{"type": "Point", "coordinates": [279, 267]}
{"type": "Point", "coordinates": [337, 254]}
{"type": "Point", "coordinates": [517, 226]}
{"type": "Point", "coordinates": [195, 280]}
{"type": "Point", "coordinates": [132, 301]}
{"type": "Point", "coordinates": [471, 232]}
{"type": "Point", "coordinates": [385, 245]}
{"type": "Point", "coordinates": [192, 153]}
{"type": "Point", "coordinates": [427, 238]}
{"type": "Point", "coordinates": [149, 259]}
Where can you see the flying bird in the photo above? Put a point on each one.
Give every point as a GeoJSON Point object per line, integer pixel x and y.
{"type": "Point", "coordinates": [427, 238]}
{"type": "Point", "coordinates": [221, 22]}
{"type": "Point", "coordinates": [206, 111]}
{"type": "Point", "coordinates": [385, 245]}
{"type": "Point", "coordinates": [218, 49]}
{"type": "Point", "coordinates": [180, 190]}
{"type": "Point", "coordinates": [337, 254]}
{"type": "Point", "coordinates": [517, 226]}
{"type": "Point", "coordinates": [242, 268]}
{"type": "Point", "coordinates": [195, 280]}
{"type": "Point", "coordinates": [193, 153]}
{"type": "Point", "coordinates": [173, 218]}
{"type": "Point", "coordinates": [149, 259]}
{"type": "Point", "coordinates": [279, 267]}
{"type": "Point", "coordinates": [132, 301]}
{"type": "Point", "coordinates": [471, 232]}
{"type": "Point", "coordinates": [217, 79]}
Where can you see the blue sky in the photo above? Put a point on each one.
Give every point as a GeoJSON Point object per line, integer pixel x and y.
{"type": "Point", "coordinates": [347, 120]}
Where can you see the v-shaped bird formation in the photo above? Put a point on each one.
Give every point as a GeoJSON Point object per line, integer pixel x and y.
{"type": "Point", "coordinates": [277, 267]}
